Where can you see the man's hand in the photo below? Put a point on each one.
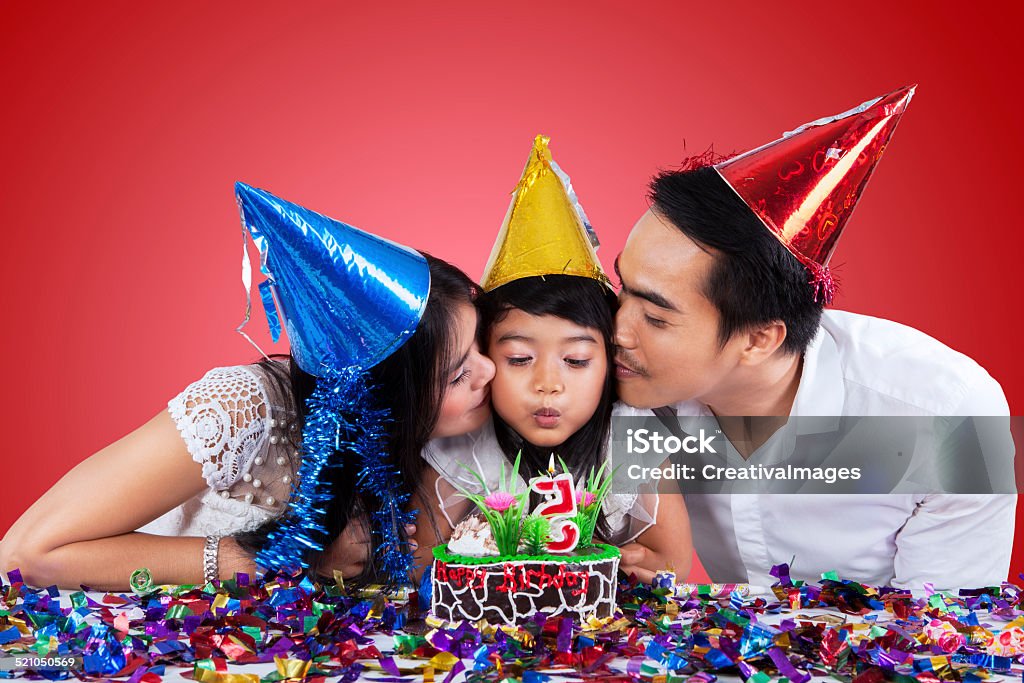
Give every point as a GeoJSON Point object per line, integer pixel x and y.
{"type": "Point", "coordinates": [666, 545]}
{"type": "Point", "coordinates": [640, 560]}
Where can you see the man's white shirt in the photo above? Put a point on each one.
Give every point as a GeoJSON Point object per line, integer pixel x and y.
{"type": "Point", "coordinates": [863, 366]}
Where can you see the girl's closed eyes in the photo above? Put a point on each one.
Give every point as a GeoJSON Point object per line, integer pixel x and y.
{"type": "Point", "coordinates": [519, 361]}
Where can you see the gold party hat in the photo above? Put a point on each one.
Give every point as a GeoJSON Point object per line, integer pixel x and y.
{"type": "Point", "coordinates": [543, 232]}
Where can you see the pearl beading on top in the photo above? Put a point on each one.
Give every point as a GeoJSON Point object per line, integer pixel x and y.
{"type": "Point", "coordinates": [279, 431]}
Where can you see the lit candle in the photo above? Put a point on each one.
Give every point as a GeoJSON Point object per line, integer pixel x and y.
{"type": "Point", "coordinates": [560, 504]}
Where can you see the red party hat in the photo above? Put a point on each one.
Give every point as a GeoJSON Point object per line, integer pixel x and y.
{"type": "Point", "coordinates": [805, 185]}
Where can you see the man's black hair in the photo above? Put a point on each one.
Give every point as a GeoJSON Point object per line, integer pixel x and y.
{"type": "Point", "coordinates": [754, 280]}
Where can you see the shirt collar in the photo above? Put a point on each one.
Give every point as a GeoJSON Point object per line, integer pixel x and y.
{"type": "Point", "coordinates": [822, 390]}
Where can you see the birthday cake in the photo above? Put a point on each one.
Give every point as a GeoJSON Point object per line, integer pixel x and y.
{"type": "Point", "coordinates": [503, 565]}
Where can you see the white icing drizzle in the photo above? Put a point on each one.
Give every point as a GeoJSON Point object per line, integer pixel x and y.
{"type": "Point", "coordinates": [471, 603]}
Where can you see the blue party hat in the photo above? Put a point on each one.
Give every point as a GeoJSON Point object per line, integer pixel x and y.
{"type": "Point", "coordinates": [348, 298]}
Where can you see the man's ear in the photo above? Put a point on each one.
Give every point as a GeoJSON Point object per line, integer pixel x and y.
{"type": "Point", "coordinates": [763, 341]}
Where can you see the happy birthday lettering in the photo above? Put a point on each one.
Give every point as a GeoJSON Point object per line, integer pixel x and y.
{"type": "Point", "coordinates": [470, 577]}
{"type": "Point", "coordinates": [518, 577]}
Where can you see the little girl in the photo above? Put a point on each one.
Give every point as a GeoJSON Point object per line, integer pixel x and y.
{"type": "Point", "coordinates": [547, 323]}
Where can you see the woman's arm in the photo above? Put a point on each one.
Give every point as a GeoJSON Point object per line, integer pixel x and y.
{"type": "Point", "coordinates": [81, 531]}
{"type": "Point", "coordinates": [665, 545]}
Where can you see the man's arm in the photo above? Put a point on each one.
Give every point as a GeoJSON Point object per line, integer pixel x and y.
{"type": "Point", "coordinates": [962, 540]}
{"type": "Point", "coordinates": [668, 543]}
{"type": "Point", "coordinates": [956, 541]}
{"type": "Point", "coordinates": [665, 545]}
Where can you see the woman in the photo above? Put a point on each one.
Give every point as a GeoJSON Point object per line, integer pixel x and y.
{"type": "Point", "coordinates": [222, 460]}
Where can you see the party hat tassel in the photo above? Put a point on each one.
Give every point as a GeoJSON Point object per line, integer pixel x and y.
{"type": "Point", "coordinates": [326, 430]}
{"type": "Point", "coordinates": [340, 419]}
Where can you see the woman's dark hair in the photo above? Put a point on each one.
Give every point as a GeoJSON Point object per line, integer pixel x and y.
{"type": "Point", "coordinates": [587, 303]}
{"type": "Point", "coordinates": [754, 280]}
{"type": "Point", "coordinates": [413, 381]}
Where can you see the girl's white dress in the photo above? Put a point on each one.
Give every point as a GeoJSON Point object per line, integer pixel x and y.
{"type": "Point", "coordinates": [629, 509]}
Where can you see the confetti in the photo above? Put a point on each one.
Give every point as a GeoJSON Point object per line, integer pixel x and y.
{"type": "Point", "coordinates": [308, 630]}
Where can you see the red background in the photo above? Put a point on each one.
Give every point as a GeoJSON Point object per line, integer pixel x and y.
{"type": "Point", "coordinates": [124, 125]}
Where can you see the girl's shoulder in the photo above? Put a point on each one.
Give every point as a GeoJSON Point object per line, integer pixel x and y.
{"type": "Point", "coordinates": [455, 458]}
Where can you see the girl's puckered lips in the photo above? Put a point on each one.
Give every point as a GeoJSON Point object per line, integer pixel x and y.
{"type": "Point", "coordinates": [547, 418]}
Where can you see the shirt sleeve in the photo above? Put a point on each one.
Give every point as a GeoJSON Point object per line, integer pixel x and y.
{"type": "Point", "coordinates": [956, 541]}
{"type": "Point", "coordinates": [223, 420]}
{"type": "Point", "coordinates": [447, 502]}
{"type": "Point", "coordinates": [965, 540]}
{"type": "Point", "coordinates": [983, 396]}
{"type": "Point", "coordinates": [460, 468]}
{"type": "Point", "coordinates": [630, 514]}
{"type": "Point", "coordinates": [631, 507]}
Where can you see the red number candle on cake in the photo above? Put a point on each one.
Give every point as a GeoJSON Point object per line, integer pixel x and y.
{"type": "Point", "coordinates": [505, 564]}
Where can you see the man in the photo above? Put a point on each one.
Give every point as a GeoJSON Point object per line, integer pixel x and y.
{"type": "Point", "coordinates": [724, 281]}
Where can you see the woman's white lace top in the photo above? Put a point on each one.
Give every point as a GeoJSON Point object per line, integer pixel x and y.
{"type": "Point", "coordinates": [235, 423]}
{"type": "Point", "coordinates": [456, 458]}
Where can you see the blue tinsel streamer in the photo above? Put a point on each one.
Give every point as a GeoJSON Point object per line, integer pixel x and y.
{"type": "Point", "coordinates": [381, 479]}
{"type": "Point", "coordinates": [339, 418]}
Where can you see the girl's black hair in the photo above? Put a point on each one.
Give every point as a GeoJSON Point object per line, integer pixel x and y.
{"type": "Point", "coordinates": [412, 381]}
{"type": "Point", "coordinates": [582, 301]}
